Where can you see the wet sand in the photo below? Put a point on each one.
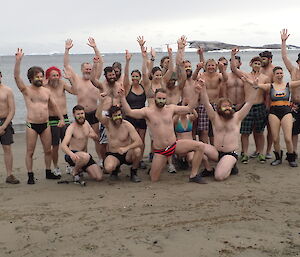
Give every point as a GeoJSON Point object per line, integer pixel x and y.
{"type": "Point", "coordinates": [256, 213]}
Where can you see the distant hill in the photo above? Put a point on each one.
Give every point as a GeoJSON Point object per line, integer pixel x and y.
{"type": "Point", "coordinates": [215, 45]}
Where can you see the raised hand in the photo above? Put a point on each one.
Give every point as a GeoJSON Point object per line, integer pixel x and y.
{"type": "Point", "coordinates": [284, 34]}
{"type": "Point", "coordinates": [141, 41]}
{"type": "Point", "coordinates": [69, 44]}
{"type": "Point", "coordinates": [96, 59]}
{"type": "Point", "coordinates": [144, 51]}
{"type": "Point", "coordinates": [19, 54]}
{"type": "Point", "coordinates": [91, 42]}
{"type": "Point", "coordinates": [234, 51]}
{"type": "Point", "coordinates": [127, 56]}
{"type": "Point", "coordinates": [199, 85]}
{"type": "Point", "coordinates": [169, 50]}
{"type": "Point", "coordinates": [221, 66]}
{"type": "Point", "coordinates": [181, 42]}
{"type": "Point", "coordinates": [200, 65]}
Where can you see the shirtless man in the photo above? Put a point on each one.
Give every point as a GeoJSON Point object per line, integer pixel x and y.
{"type": "Point", "coordinates": [87, 94]}
{"type": "Point", "coordinates": [159, 118]}
{"type": "Point", "coordinates": [214, 81]}
{"type": "Point", "coordinates": [267, 69]}
{"type": "Point", "coordinates": [7, 112]}
{"type": "Point", "coordinates": [294, 71]}
{"type": "Point", "coordinates": [257, 117]}
{"type": "Point", "coordinates": [75, 145]}
{"type": "Point", "coordinates": [110, 88]}
{"type": "Point", "coordinates": [235, 87]}
{"type": "Point", "coordinates": [124, 143]}
{"type": "Point", "coordinates": [226, 125]}
{"type": "Point", "coordinates": [57, 87]}
{"type": "Point", "coordinates": [37, 99]}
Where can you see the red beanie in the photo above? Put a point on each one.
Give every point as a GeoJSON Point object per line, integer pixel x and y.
{"type": "Point", "coordinates": [51, 69]}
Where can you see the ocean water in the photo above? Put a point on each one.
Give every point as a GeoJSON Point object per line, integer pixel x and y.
{"type": "Point", "coordinates": [45, 61]}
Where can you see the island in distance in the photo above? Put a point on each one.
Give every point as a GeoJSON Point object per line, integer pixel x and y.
{"type": "Point", "coordinates": [215, 46]}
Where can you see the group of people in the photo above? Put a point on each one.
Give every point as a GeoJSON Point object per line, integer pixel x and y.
{"type": "Point", "coordinates": [193, 117]}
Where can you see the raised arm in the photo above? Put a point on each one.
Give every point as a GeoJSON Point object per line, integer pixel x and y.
{"type": "Point", "coordinates": [145, 73]}
{"type": "Point", "coordinates": [11, 111]}
{"type": "Point", "coordinates": [134, 113]}
{"type": "Point", "coordinates": [223, 71]}
{"type": "Point", "coordinates": [19, 55]}
{"type": "Point", "coordinates": [68, 68]}
{"type": "Point", "coordinates": [200, 52]}
{"type": "Point", "coordinates": [181, 75]}
{"type": "Point", "coordinates": [197, 70]}
{"type": "Point", "coordinates": [92, 44]}
{"type": "Point", "coordinates": [150, 63]}
{"type": "Point", "coordinates": [170, 70]}
{"type": "Point", "coordinates": [126, 81]}
{"type": "Point", "coordinates": [103, 119]}
{"type": "Point", "coordinates": [94, 79]}
{"type": "Point", "coordinates": [71, 88]}
{"type": "Point", "coordinates": [205, 100]}
{"type": "Point", "coordinates": [284, 36]}
{"type": "Point", "coordinates": [233, 66]}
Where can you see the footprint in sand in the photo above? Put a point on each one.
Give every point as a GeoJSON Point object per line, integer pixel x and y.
{"type": "Point", "coordinates": [253, 177]}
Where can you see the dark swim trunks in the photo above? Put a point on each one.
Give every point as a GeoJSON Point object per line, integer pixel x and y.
{"type": "Point", "coordinates": [233, 153]}
{"type": "Point", "coordinates": [7, 137]}
{"type": "Point", "coordinates": [72, 164]}
{"type": "Point", "coordinates": [37, 127]}
{"type": "Point", "coordinates": [168, 151]}
{"type": "Point", "coordinates": [91, 118]}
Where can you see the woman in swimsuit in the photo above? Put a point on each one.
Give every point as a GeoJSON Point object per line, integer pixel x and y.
{"type": "Point", "coordinates": [136, 98]}
{"type": "Point", "coordinates": [183, 127]}
{"type": "Point", "coordinates": [281, 114]}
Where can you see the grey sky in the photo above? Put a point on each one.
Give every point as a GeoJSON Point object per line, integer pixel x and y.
{"type": "Point", "coordinates": [43, 26]}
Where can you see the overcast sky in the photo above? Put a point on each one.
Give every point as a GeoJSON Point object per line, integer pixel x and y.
{"type": "Point", "coordinates": [43, 26]}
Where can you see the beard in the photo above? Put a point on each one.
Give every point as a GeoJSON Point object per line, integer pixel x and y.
{"type": "Point", "coordinates": [80, 121]}
{"type": "Point", "coordinates": [160, 104]}
{"type": "Point", "coordinates": [227, 114]}
{"type": "Point", "coordinates": [53, 82]}
{"type": "Point", "coordinates": [111, 81]}
{"type": "Point", "coordinates": [118, 75]}
{"type": "Point", "coordinates": [189, 73]}
{"type": "Point", "coordinates": [86, 76]}
{"type": "Point", "coordinates": [37, 83]}
{"type": "Point", "coordinates": [117, 122]}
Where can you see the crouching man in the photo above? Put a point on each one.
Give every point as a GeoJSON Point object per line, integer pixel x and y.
{"type": "Point", "coordinates": [124, 143]}
{"type": "Point", "coordinates": [75, 145]}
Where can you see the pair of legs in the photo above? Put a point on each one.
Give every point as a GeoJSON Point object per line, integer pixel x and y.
{"type": "Point", "coordinates": [183, 147]}
{"type": "Point", "coordinates": [89, 166]}
{"type": "Point", "coordinates": [142, 133]}
{"type": "Point", "coordinates": [31, 139]}
{"type": "Point", "coordinates": [259, 140]}
{"type": "Point", "coordinates": [286, 123]}
{"type": "Point", "coordinates": [132, 156]}
{"type": "Point", "coordinates": [8, 159]}
{"type": "Point", "coordinates": [225, 164]}
{"type": "Point", "coordinates": [58, 135]}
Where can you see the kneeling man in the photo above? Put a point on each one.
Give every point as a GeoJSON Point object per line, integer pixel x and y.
{"type": "Point", "coordinates": [75, 145]}
{"type": "Point", "coordinates": [226, 127]}
{"type": "Point", "coordinates": [124, 143]}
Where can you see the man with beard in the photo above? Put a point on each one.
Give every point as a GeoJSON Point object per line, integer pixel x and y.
{"type": "Point", "coordinates": [75, 145]}
{"type": "Point", "coordinates": [294, 71]}
{"type": "Point", "coordinates": [117, 67]}
{"type": "Point", "coordinates": [57, 88]}
{"type": "Point", "coordinates": [110, 88]}
{"type": "Point", "coordinates": [37, 100]}
{"type": "Point", "coordinates": [124, 143]}
{"type": "Point", "coordinates": [257, 116]}
{"type": "Point", "coordinates": [7, 112]}
{"type": "Point", "coordinates": [214, 81]}
{"type": "Point", "coordinates": [226, 126]}
{"type": "Point", "coordinates": [87, 94]}
{"type": "Point", "coordinates": [159, 119]}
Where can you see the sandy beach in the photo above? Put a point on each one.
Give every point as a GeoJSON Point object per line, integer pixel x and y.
{"type": "Point", "coordinates": [256, 213]}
